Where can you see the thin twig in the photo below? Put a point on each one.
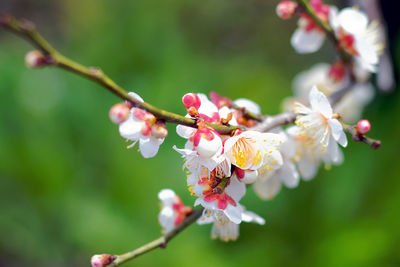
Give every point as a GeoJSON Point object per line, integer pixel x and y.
{"type": "Point", "coordinates": [160, 242]}
{"type": "Point", "coordinates": [27, 30]}
{"type": "Point", "coordinates": [375, 144]}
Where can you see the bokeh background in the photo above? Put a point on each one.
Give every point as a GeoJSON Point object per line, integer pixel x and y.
{"type": "Point", "coordinates": [69, 188]}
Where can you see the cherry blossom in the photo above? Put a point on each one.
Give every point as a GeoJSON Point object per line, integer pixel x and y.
{"type": "Point", "coordinates": [309, 37]}
{"type": "Point", "coordinates": [359, 37]}
{"type": "Point", "coordinates": [225, 229]}
{"type": "Point", "coordinates": [269, 183]}
{"type": "Point", "coordinates": [142, 126]}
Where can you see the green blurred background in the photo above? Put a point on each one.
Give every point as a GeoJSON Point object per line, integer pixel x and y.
{"type": "Point", "coordinates": [69, 188]}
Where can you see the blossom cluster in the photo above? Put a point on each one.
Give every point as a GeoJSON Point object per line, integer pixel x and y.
{"type": "Point", "coordinates": [220, 167]}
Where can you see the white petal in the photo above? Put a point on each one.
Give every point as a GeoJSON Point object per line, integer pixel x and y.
{"type": "Point", "coordinates": [166, 217]}
{"type": "Point", "coordinates": [248, 216]}
{"type": "Point", "coordinates": [207, 107]}
{"type": "Point", "coordinates": [249, 177]}
{"type": "Point", "coordinates": [248, 105]}
{"type": "Point", "coordinates": [208, 149]}
{"type": "Point", "coordinates": [184, 131]}
{"type": "Point", "coordinates": [333, 17]}
{"type": "Point", "coordinates": [320, 103]}
{"type": "Point", "coordinates": [307, 42]}
{"type": "Point", "coordinates": [307, 168]}
{"type": "Point", "coordinates": [131, 128]}
{"type": "Point", "coordinates": [234, 213]}
{"type": "Point", "coordinates": [337, 132]}
{"type": "Point", "coordinates": [333, 154]}
{"type": "Point", "coordinates": [289, 175]}
{"type": "Point", "coordinates": [236, 189]}
{"type": "Point", "coordinates": [149, 146]}
{"type": "Point", "coordinates": [353, 21]}
{"type": "Point", "coordinates": [268, 188]}
{"type": "Point", "coordinates": [367, 55]}
{"type": "Point", "coordinates": [167, 197]}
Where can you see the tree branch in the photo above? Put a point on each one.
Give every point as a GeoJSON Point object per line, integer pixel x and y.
{"type": "Point", "coordinates": [27, 30]}
{"type": "Point", "coordinates": [375, 144]}
{"type": "Point", "coordinates": [160, 242]}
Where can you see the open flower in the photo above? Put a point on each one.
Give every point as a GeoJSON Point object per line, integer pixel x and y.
{"type": "Point", "coordinates": [142, 126]}
{"type": "Point", "coordinates": [309, 37]}
{"type": "Point", "coordinates": [319, 121]}
{"type": "Point", "coordinates": [269, 183]}
{"type": "Point", "coordinates": [350, 106]}
{"type": "Point", "coordinates": [223, 194]}
{"type": "Point", "coordinates": [358, 37]}
{"type": "Point", "coordinates": [252, 150]}
{"type": "Point", "coordinates": [173, 211]}
{"type": "Point", "coordinates": [225, 229]}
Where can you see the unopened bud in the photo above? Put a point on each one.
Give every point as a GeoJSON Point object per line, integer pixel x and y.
{"type": "Point", "coordinates": [159, 130]}
{"type": "Point", "coordinates": [286, 9]}
{"type": "Point", "coordinates": [191, 100]}
{"type": "Point", "coordinates": [102, 260]}
{"type": "Point", "coordinates": [35, 59]}
{"type": "Point", "coordinates": [363, 127]}
{"type": "Point", "coordinates": [119, 113]}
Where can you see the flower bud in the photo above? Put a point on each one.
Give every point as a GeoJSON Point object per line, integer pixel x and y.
{"type": "Point", "coordinates": [119, 113]}
{"type": "Point", "coordinates": [191, 100]}
{"type": "Point", "coordinates": [102, 260]}
{"type": "Point", "coordinates": [286, 9]}
{"type": "Point", "coordinates": [363, 127]}
{"type": "Point", "coordinates": [159, 130]}
{"type": "Point", "coordinates": [35, 59]}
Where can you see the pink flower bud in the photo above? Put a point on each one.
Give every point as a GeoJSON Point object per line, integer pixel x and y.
{"type": "Point", "coordinates": [286, 9]}
{"type": "Point", "coordinates": [159, 130]}
{"type": "Point", "coordinates": [363, 127]}
{"type": "Point", "coordinates": [35, 59]}
{"type": "Point", "coordinates": [191, 100]}
{"type": "Point", "coordinates": [119, 113]}
{"type": "Point", "coordinates": [102, 260]}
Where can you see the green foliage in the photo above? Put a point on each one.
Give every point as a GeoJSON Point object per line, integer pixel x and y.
{"type": "Point", "coordinates": [70, 189]}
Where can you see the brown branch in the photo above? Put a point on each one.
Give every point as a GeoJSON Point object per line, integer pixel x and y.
{"type": "Point", "coordinates": [375, 144]}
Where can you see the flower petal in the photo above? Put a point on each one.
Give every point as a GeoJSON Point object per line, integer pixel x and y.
{"type": "Point", "coordinates": [337, 132]}
{"type": "Point", "coordinates": [248, 105]}
{"type": "Point", "coordinates": [289, 175]}
{"type": "Point", "coordinates": [149, 146]}
{"type": "Point", "coordinates": [307, 168]}
{"type": "Point", "coordinates": [307, 42]}
{"type": "Point", "coordinates": [353, 21]}
{"type": "Point", "coordinates": [131, 128]}
{"type": "Point", "coordinates": [320, 103]}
